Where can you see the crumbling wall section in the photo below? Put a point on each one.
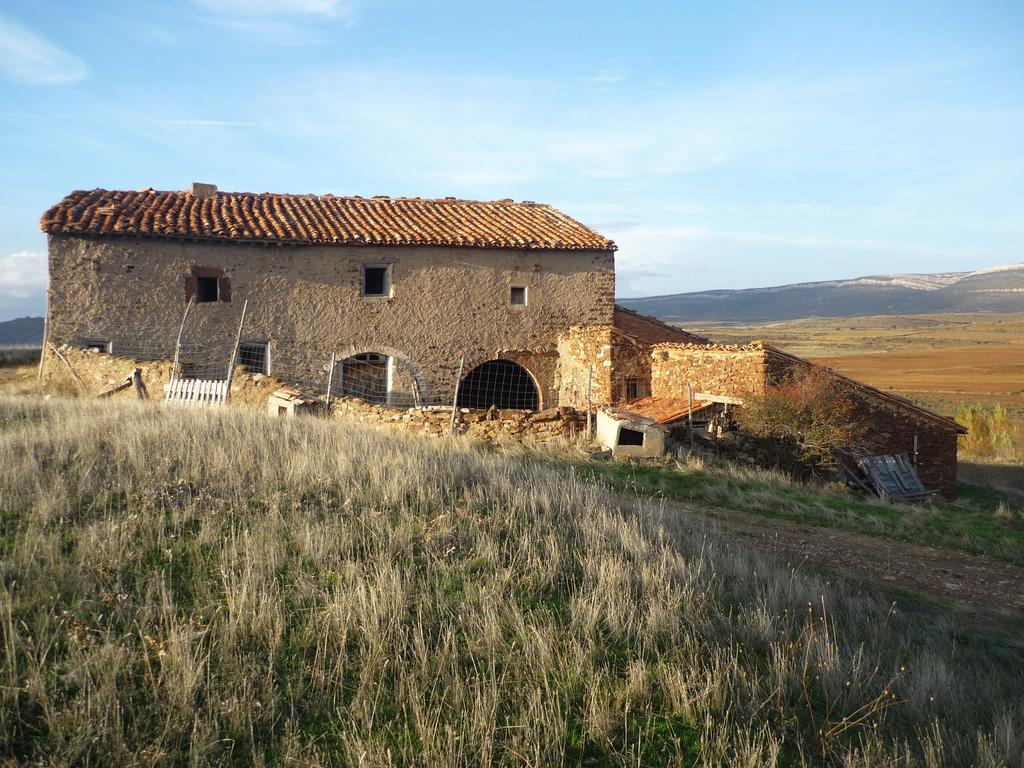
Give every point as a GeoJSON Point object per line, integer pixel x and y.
{"type": "Point", "coordinates": [493, 425]}
{"type": "Point", "coordinates": [892, 424]}
{"type": "Point", "coordinates": [98, 372]}
{"type": "Point", "coordinates": [585, 363]}
{"type": "Point", "coordinates": [715, 369]}
{"type": "Point", "coordinates": [631, 359]}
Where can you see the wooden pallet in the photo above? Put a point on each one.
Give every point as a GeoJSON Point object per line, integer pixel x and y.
{"type": "Point", "coordinates": [893, 476]}
{"type": "Point", "coordinates": [201, 392]}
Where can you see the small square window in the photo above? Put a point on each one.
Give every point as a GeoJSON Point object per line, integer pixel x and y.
{"type": "Point", "coordinates": [376, 281]}
{"type": "Point", "coordinates": [517, 296]}
{"type": "Point", "coordinates": [253, 357]}
{"type": "Point", "coordinates": [206, 290]}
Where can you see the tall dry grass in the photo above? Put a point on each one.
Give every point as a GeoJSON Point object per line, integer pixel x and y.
{"type": "Point", "coordinates": [216, 588]}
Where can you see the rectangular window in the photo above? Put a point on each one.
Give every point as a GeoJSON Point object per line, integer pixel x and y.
{"type": "Point", "coordinates": [636, 388]}
{"type": "Point", "coordinates": [517, 296]}
{"type": "Point", "coordinates": [254, 357]}
{"type": "Point", "coordinates": [376, 280]}
{"type": "Point", "coordinates": [207, 285]}
{"type": "Point", "coordinates": [206, 290]}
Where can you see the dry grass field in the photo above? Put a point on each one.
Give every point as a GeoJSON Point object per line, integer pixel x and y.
{"type": "Point", "coordinates": [217, 588]}
{"type": "Point", "coordinates": [941, 360]}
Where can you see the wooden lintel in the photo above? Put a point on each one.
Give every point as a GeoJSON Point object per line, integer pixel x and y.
{"type": "Point", "coordinates": [706, 398]}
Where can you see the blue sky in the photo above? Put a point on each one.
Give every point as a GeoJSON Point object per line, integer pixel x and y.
{"type": "Point", "coordinates": [720, 144]}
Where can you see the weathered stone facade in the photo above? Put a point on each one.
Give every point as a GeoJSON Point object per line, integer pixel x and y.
{"type": "Point", "coordinates": [707, 368]}
{"type": "Point", "coordinates": [446, 303]}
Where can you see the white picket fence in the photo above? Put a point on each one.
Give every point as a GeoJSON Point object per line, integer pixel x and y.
{"type": "Point", "coordinates": [196, 392]}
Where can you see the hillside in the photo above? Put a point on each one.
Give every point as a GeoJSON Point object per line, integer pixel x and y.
{"type": "Point", "coordinates": [21, 330]}
{"type": "Point", "coordinates": [218, 588]}
{"type": "Point", "coordinates": [1000, 289]}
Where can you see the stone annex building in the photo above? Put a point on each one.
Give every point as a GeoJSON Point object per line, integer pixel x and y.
{"type": "Point", "coordinates": [398, 290]}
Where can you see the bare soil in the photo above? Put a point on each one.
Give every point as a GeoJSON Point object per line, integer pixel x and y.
{"type": "Point", "coordinates": [970, 580]}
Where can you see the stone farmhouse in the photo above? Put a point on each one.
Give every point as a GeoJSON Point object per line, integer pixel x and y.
{"type": "Point", "coordinates": [398, 291]}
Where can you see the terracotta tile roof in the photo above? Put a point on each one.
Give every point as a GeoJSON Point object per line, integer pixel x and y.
{"type": "Point", "coordinates": [662, 410]}
{"type": "Point", "coordinates": [320, 219]}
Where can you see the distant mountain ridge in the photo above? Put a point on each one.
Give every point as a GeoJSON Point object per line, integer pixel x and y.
{"type": "Point", "coordinates": [21, 330]}
{"type": "Point", "coordinates": [998, 289]}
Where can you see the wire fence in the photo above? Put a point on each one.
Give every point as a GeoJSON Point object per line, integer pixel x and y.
{"type": "Point", "coordinates": [374, 377]}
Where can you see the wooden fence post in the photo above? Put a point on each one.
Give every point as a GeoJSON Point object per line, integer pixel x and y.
{"type": "Point", "coordinates": [234, 352]}
{"type": "Point", "coordinates": [330, 378]}
{"type": "Point", "coordinates": [455, 397]}
{"type": "Point", "coordinates": [590, 402]}
{"type": "Point", "coordinates": [177, 344]}
{"type": "Point", "coordinates": [46, 333]}
{"type": "Point", "coordinates": [689, 414]}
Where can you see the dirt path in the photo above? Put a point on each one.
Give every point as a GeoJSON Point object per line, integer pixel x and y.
{"type": "Point", "coordinates": [973, 580]}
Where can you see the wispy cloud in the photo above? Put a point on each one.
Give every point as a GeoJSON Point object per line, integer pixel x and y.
{"type": "Point", "coordinates": [604, 77]}
{"type": "Point", "coordinates": [22, 275]}
{"type": "Point", "coordinates": [25, 57]}
{"type": "Point", "coordinates": [328, 8]}
{"type": "Point", "coordinates": [284, 22]}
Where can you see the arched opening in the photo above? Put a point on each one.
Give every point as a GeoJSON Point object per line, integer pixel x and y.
{"type": "Point", "coordinates": [366, 376]}
{"type": "Point", "coordinates": [384, 376]}
{"type": "Point", "coordinates": [501, 383]}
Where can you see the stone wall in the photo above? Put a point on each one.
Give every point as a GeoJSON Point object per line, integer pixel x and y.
{"type": "Point", "coordinates": [713, 369]}
{"type": "Point", "coordinates": [446, 303]}
{"type": "Point", "coordinates": [493, 425]}
{"type": "Point", "coordinates": [631, 359]}
{"type": "Point", "coordinates": [585, 361]}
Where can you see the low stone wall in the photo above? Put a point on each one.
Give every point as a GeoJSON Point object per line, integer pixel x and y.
{"type": "Point", "coordinates": [100, 372]}
{"type": "Point", "coordinates": [492, 425]}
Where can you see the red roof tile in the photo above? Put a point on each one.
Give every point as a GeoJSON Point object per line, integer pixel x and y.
{"type": "Point", "coordinates": [320, 220]}
{"type": "Point", "coordinates": [662, 410]}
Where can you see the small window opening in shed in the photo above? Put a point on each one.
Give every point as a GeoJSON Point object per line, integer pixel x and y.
{"type": "Point", "coordinates": [629, 436]}
{"type": "Point", "coordinates": [637, 387]}
{"type": "Point", "coordinates": [365, 376]}
{"type": "Point", "coordinates": [206, 290]}
{"type": "Point", "coordinates": [253, 357]}
{"type": "Point", "coordinates": [376, 281]}
{"type": "Point", "coordinates": [517, 296]}
{"type": "Point", "coordinates": [282, 410]}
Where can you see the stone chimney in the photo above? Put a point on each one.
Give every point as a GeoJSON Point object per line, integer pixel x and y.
{"type": "Point", "coordinates": [203, 191]}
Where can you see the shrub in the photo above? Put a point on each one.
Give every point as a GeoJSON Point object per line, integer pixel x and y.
{"type": "Point", "coordinates": [993, 433]}
{"type": "Point", "coordinates": [809, 410]}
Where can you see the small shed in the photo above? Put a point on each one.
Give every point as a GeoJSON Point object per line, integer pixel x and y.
{"type": "Point", "coordinates": [629, 435]}
{"type": "Point", "coordinates": [289, 401]}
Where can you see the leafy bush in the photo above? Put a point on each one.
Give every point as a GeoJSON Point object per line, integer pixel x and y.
{"type": "Point", "coordinates": [809, 410]}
